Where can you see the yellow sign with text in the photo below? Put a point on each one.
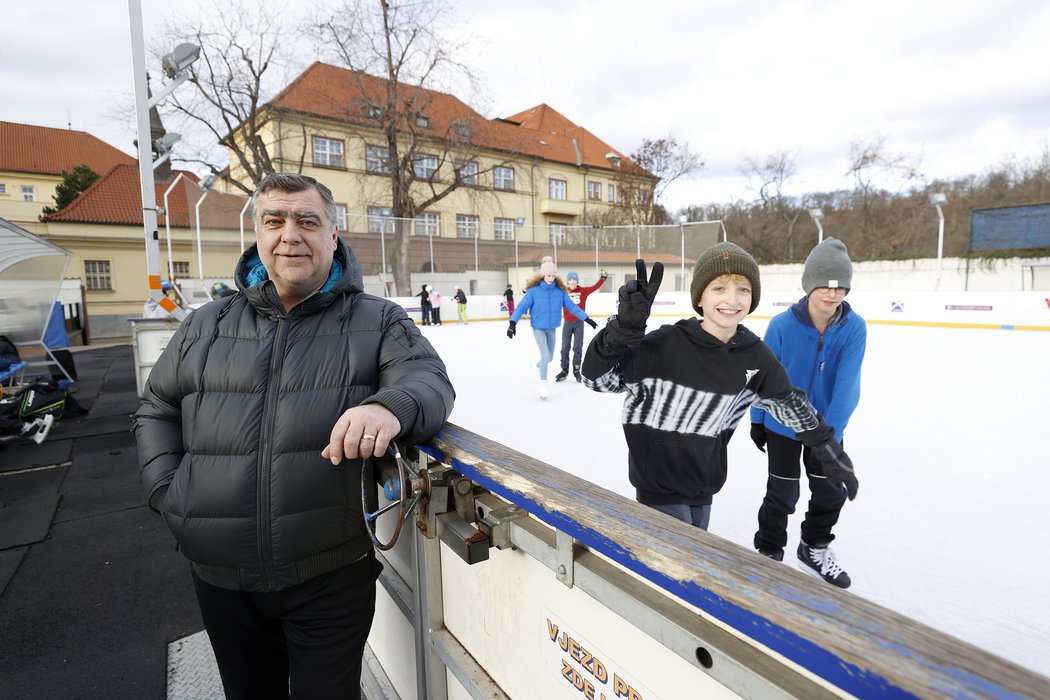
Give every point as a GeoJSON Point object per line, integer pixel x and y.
{"type": "Point", "coordinates": [584, 669]}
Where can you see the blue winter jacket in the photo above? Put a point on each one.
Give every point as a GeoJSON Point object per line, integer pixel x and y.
{"type": "Point", "coordinates": [827, 369]}
{"type": "Point", "coordinates": [545, 301]}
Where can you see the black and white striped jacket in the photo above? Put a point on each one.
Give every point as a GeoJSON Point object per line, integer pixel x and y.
{"type": "Point", "coordinates": [686, 393]}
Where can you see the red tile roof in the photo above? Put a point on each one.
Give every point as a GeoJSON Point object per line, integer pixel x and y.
{"type": "Point", "coordinates": [340, 94]}
{"type": "Point", "coordinates": [25, 148]}
{"type": "Point", "coordinates": [115, 199]}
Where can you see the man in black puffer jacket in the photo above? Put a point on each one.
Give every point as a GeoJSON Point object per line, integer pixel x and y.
{"type": "Point", "coordinates": [251, 435]}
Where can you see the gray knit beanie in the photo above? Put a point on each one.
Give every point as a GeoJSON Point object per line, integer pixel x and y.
{"type": "Point", "coordinates": [724, 259]}
{"type": "Point", "coordinates": [828, 265]}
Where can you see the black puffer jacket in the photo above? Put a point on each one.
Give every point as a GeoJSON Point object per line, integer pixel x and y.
{"type": "Point", "coordinates": [239, 406]}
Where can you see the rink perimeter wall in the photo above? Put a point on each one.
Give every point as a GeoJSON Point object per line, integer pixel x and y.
{"type": "Point", "coordinates": [1029, 311]}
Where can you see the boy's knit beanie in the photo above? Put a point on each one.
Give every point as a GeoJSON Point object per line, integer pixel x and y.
{"type": "Point", "coordinates": [572, 276]}
{"type": "Point", "coordinates": [724, 259]}
{"type": "Point", "coordinates": [828, 265]}
{"type": "Point", "coordinates": [547, 267]}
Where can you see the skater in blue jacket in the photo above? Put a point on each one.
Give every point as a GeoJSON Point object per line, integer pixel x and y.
{"type": "Point", "coordinates": [820, 341]}
{"type": "Point", "coordinates": [545, 297]}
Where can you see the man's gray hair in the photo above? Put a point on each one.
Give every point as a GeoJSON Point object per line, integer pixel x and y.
{"type": "Point", "coordinates": [295, 182]}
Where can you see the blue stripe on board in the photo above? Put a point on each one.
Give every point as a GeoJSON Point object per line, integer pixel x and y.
{"type": "Point", "coordinates": [807, 654]}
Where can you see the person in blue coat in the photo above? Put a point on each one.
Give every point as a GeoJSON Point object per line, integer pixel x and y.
{"type": "Point", "coordinates": [821, 342]}
{"type": "Point", "coordinates": [544, 299]}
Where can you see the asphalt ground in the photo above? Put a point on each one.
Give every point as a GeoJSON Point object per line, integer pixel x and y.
{"type": "Point", "coordinates": [92, 589]}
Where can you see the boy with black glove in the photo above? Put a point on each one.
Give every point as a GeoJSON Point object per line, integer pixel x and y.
{"type": "Point", "coordinates": [689, 384]}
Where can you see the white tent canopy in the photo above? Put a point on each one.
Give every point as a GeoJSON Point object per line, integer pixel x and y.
{"type": "Point", "coordinates": [31, 273]}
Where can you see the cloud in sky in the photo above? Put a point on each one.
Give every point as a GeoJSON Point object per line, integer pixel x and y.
{"type": "Point", "coordinates": [963, 87]}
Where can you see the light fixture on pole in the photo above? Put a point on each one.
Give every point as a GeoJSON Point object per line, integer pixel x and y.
{"type": "Point", "coordinates": [176, 67]}
{"type": "Point", "coordinates": [817, 214]}
{"type": "Point", "coordinates": [938, 200]}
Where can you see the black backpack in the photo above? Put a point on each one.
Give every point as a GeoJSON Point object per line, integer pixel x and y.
{"type": "Point", "coordinates": [9, 354]}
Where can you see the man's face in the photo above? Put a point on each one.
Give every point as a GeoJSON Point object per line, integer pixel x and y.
{"type": "Point", "coordinates": [296, 242]}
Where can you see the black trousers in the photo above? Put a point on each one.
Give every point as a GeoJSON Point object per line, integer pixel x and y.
{"type": "Point", "coordinates": [308, 639]}
{"type": "Point", "coordinates": [573, 331]}
{"type": "Point", "coordinates": [782, 493]}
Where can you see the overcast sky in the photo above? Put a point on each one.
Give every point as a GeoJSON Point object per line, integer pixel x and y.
{"type": "Point", "coordinates": [958, 87]}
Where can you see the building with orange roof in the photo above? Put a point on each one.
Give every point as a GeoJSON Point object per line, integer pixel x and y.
{"type": "Point", "coordinates": [32, 159]}
{"type": "Point", "coordinates": [103, 229]}
{"type": "Point", "coordinates": [532, 177]}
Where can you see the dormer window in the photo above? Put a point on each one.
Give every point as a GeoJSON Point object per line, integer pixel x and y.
{"type": "Point", "coordinates": [422, 120]}
{"type": "Point", "coordinates": [461, 128]}
{"type": "Point", "coordinates": [372, 110]}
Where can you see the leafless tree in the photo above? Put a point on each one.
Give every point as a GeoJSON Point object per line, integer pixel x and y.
{"type": "Point", "coordinates": [767, 178]}
{"type": "Point", "coordinates": [404, 46]}
{"type": "Point", "coordinates": [246, 53]}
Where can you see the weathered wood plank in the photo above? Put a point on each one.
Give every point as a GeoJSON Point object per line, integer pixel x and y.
{"type": "Point", "coordinates": [860, 647]}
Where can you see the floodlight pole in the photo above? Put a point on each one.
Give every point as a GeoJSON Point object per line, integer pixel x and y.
{"type": "Point", "coordinates": [817, 214]}
{"type": "Point", "coordinates": [682, 221]}
{"type": "Point", "coordinates": [167, 226]}
{"type": "Point", "coordinates": [938, 199]}
{"type": "Point", "coordinates": [200, 251]}
{"type": "Point", "coordinates": [143, 103]}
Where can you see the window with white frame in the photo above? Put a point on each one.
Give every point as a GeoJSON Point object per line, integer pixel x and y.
{"type": "Point", "coordinates": [558, 233]}
{"type": "Point", "coordinates": [644, 197]}
{"type": "Point", "coordinates": [612, 193]}
{"type": "Point", "coordinates": [377, 160]}
{"type": "Point", "coordinates": [468, 171]}
{"type": "Point", "coordinates": [427, 223]}
{"type": "Point", "coordinates": [425, 166]}
{"type": "Point", "coordinates": [180, 268]}
{"type": "Point", "coordinates": [594, 190]}
{"type": "Point", "coordinates": [558, 189]}
{"type": "Point", "coordinates": [371, 109]}
{"type": "Point", "coordinates": [504, 229]}
{"type": "Point", "coordinates": [503, 177]}
{"type": "Point", "coordinates": [380, 220]}
{"type": "Point", "coordinates": [422, 120]}
{"type": "Point", "coordinates": [467, 226]}
{"type": "Point", "coordinates": [96, 275]}
{"type": "Point", "coordinates": [3, 189]}
{"type": "Point", "coordinates": [340, 217]}
{"type": "Point", "coordinates": [28, 193]}
{"type": "Point", "coordinates": [328, 152]}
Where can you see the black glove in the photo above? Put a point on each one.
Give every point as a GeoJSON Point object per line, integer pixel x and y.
{"type": "Point", "coordinates": [512, 330]}
{"type": "Point", "coordinates": [758, 436]}
{"type": "Point", "coordinates": [636, 297]}
{"type": "Point", "coordinates": [837, 466]}
{"type": "Point", "coordinates": [604, 274]}
{"type": "Point", "coordinates": [590, 322]}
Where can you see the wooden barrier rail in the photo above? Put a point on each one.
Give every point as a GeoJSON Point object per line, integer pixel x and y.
{"type": "Point", "coordinates": [853, 645]}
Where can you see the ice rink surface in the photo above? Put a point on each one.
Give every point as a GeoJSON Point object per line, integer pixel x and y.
{"type": "Point", "coordinates": [949, 443]}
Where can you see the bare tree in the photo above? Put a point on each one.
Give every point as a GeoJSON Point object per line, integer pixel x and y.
{"type": "Point", "coordinates": [767, 178]}
{"type": "Point", "coordinates": [638, 194]}
{"type": "Point", "coordinates": [871, 163]}
{"type": "Point", "coordinates": [403, 46]}
{"type": "Point", "coordinates": [245, 54]}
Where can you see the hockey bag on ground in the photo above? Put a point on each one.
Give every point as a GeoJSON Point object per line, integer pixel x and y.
{"type": "Point", "coordinates": [40, 399]}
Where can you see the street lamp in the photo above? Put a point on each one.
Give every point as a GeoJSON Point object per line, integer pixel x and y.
{"type": "Point", "coordinates": [817, 214]}
{"type": "Point", "coordinates": [683, 219]}
{"type": "Point", "coordinates": [938, 200]}
{"type": "Point", "coordinates": [176, 66]}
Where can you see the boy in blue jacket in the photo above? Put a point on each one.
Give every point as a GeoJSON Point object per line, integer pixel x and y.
{"type": "Point", "coordinates": [545, 297]}
{"type": "Point", "coordinates": [821, 342]}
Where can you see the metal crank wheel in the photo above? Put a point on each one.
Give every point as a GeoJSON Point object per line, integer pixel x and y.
{"type": "Point", "coordinates": [412, 491]}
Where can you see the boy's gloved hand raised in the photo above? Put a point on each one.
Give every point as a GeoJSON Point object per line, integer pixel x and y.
{"type": "Point", "coordinates": [837, 466]}
{"type": "Point", "coordinates": [635, 299]}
